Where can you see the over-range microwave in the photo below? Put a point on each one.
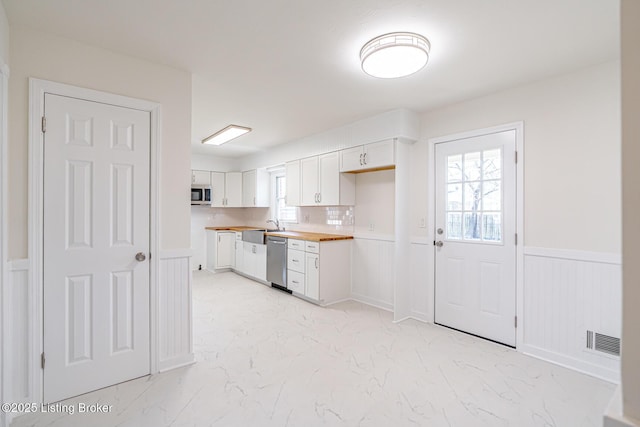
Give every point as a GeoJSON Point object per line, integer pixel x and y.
{"type": "Point", "coordinates": [201, 195]}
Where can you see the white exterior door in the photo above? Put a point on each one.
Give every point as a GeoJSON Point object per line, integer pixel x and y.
{"type": "Point", "coordinates": [96, 219]}
{"type": "Point", "coordinates": [475, 235]}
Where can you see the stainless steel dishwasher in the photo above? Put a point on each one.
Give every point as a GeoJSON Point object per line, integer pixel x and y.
{"type": "Point", "coordinates": [277, 262]}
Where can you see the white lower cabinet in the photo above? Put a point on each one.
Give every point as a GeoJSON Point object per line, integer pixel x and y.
{"type": "Point", "coordinates": [254, 260]}
{"type": "Point", "coordinates": [220, 250]}
{"type": "Point", "coordinates": [319, 271]}
{"type": "Point", "coordinates": [239, 265]}
{"type": "Point", "coordinates": [312, 274]}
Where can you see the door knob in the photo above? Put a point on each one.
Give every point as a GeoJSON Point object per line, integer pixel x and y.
{"type": "Point", "coordinates": [439, 243]}
{"type": "Point", "coordinates": [140, 257]}
{"type": "Point", "coordinates": [439, 231]}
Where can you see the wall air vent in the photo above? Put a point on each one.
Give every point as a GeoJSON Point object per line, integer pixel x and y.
{"type": "Point", "coordinates": [603, 343]}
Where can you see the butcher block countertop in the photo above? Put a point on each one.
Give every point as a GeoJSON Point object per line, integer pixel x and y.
{"type": "Point", "coordinates": [234, 228]}
{"type": "Point", "coordinates": [303, 235]}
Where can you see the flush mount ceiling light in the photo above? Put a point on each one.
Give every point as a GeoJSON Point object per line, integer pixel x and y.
{"type": "Point", "coordinates": [226, 135]}
{"type": "Point", "coordinates": [395, 55]}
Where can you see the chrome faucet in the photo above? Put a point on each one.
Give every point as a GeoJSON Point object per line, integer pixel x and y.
{"type": "Point", "coordinates": [275, 222]}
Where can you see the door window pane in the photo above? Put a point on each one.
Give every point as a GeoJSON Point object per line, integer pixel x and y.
{"type": "Point", "coordinates": [454, 197]}
{"type": "Point", "coordinates": [492, 164]}
{"type": "Point", "coordinates": [472, 196]}
{"type": "Point", "coordinates": [472, 166]}
{"type": "Point", "coordinates": [492, 196]}
{"type": "Point", "coordinates": [471, 225]}
{"type": "Point", "coordinates": [454, 225]}
{"type": "Point", "coordinates": [454, 168]}
{"type": "Point", "coordinates": [492, 227]}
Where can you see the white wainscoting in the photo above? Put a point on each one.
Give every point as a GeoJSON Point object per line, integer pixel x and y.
{"type": "Point", "coordinates": [175, 332]}
{"type": "Point", "coordinates": [18, 336]}
{"type": "Point", "coordinates": [373, 270]}
{"type": "Point", "coordinates": [567, 293]}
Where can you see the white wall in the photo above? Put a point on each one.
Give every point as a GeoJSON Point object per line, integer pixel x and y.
{"type": "Point", "coordinates": [631, 206]}
{"type": "Point", "coordinates": [214, 163]}
{"type": "Point", "coordinates": [34, 54]}
{"type": "Point", "coordinates": [571, 159]}
{"type": "Point", "coordinates": [375, 201]}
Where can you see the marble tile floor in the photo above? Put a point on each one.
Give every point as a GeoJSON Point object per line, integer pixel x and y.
{"type": "Point", "coordinates": [265, 358]}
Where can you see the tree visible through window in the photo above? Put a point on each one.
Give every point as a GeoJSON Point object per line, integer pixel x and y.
{"type": "Point", "coordinates": [283, 212]}
{"type": "Point", "coordinates": [474, 196]}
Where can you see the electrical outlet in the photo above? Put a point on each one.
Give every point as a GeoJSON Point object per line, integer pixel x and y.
{"type": "Point", "coordinates": [306, 218]}
{"type": "Point", "coordinates": [423, 223]}
{"type": "Point", "coordinates": [372, 226]}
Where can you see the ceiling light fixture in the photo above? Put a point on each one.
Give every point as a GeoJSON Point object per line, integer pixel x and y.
{"type": "Point", "coordinates": [395, 55]}
{"type": "Point", "coordinates": [226, 135]}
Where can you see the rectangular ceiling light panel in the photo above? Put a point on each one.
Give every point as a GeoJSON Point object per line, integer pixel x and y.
{"type": "Point", "coordinates": [226, 135]}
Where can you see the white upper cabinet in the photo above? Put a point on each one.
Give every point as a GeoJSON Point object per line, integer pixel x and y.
{"type": "Point", "coordinates": [255, 188]}
{"type": "Point", "coordinates": [200, 178]}
{"type": "Point", "coordinates": [233, 189]}
{"type": "Point", "coordinates": [217, 189]}
{"type": "Point", "coordinates": [378, 155]}
{"type": "Point", "coordinates": [226, 189]}
{"type": "Point", "coordinates": [309, 180]}
{"type": "Point", "coordinates": [323, 184]}
{"type": "Point", "coordinates": [292, 172]}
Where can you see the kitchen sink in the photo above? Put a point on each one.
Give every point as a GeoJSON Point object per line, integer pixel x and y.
{"type": "Point", "coordinates": [256, 236]}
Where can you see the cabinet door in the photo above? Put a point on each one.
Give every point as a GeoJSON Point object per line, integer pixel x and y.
{"type": "Point", "coordinates": [249, 259]}
{"type": "Point", "coordinates": [225, 250]}
{"type": "Point", "coordinates": [217, 189]}
{"type": "Point", "coordinates": [200, 177]}
{"type": "Point", "coordinates": [239, 264]}
{"type": "Point", "coordinates": [212, 249]}
{"type": "Point", "coordinates": [292, 171]}
{"type": "Point", "coordinates": [351, 159]}
{"type": "Point", "coordinates": [261, 262]}
{"type": "Point", "coordinates": [263, 195]}
{"type": "Point", "coordinates": [249, 188]}
{"type": "Point", "coordinates": [233, 189]}
{"type": "Point", "coordinates": [329, 187]}
{"type": "Point", "coordinates": [309, 180]}
{"type": "Point", "coordinates": [379, 154]}
{"type": "Point", "coordinates": [312, 275]}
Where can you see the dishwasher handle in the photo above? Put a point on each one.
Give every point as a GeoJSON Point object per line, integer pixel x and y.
{"type": "Point", "coordinates": [275, 242]}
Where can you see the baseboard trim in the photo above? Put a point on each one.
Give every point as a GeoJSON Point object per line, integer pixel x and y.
{"type": "Point", "coordinates": [571, 363]}
{"type": "Point", "coordinates": [177, 362]}
{"type": "Point", "coordinates": [372, 302]}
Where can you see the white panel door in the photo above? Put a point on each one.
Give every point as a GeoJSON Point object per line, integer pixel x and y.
{"type": "Point", "coordinates": [475, 236]}
{"type": "Point", "coordinates": [96, 219]}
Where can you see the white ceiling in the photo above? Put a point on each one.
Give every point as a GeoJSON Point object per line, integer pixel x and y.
{"type": "Point", "coordinates": [290, 68]}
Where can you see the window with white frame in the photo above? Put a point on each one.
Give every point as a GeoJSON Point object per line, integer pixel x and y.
{"type": "Point", "coordinates": [282, 212]}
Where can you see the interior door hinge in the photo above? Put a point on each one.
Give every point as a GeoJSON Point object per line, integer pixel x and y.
{"type": "Point", "coordinates": [44, 124]}
{"type": "Point", "coordinates": [516, 157]}
{"type": "Point", "coordinates": [42, 360]}
{"type": "Point", "coordinates": [515, 321]}
{"type": "Point", "coordinates": [516, 239]}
